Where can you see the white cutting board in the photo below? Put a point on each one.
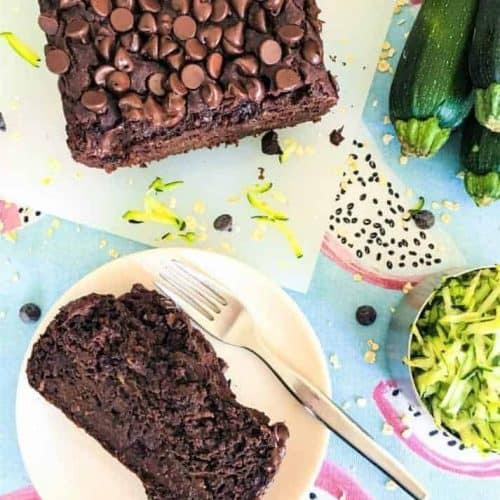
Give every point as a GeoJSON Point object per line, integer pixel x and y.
{"type": "Point", "coordinates": [36, 168]}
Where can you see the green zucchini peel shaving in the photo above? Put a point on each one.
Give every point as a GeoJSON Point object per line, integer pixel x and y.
{"type": "Point", "coordinates": [21, 48]}
{"type": "Point", "coordinates": [160, 186]}
{"type": "Point", "coordinates": [272, 216]}
{"type": "Point", "coordinates": [455, 357]}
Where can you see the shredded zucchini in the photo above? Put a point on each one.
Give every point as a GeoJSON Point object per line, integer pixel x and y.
{"type": "Point", "coordinates": [455, 358]}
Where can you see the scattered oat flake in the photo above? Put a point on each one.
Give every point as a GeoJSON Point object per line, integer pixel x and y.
{"type": "Point", "coordinates": [102, 244]}
{"type": "Point", "coordinates": [435, 205]}
{"type": "Point", "coordinates": [172, 203]}
{"type": "Point", "coordinates": [446, 218]}
{"type": "Point", "coordinates": [361, 402]}
{"type": "Point", "coordinates": [370, 357]}
{"type": "Point", "coordinates": [387, 138]}
{"type": "Point", "coordinates": [373, 345]}
{"type": "Point", "coordinates": [386, 45]}
{"type": "Point", "coordinates": [403, 160]}
{"type": "Point", "coordinates": [405, 419]}
{"type": "Point", "coordinates": [334, 361]}
{"type": "Point", "coordinates": [407, 287]}
{"type": "Point", "coordinates": [49, 232]}
{"type": "Point", "coordinates": [387, 120]}
{"type": "Point", "coordinates": [390, 485]}
{"type": "Point", "coordinates": [406, 433]}
{"type": "Point", "coordinates": [227, 247]}
{"type": "Point", "coordinates": [387, 429]}
{"type": "Point", "coordinates": [392, 309]}
{"type": "Point", "coordinates": [375, 103]}
{"type": "Point", "coordinates": [46, 181]}
{"type": "Point", "coordinates": [383, 66]}
{"type": "Point", "coordinates": [258, 234]}
{"type": "Point", "coordinates": [460, 175]}
{"type": "Point", "coordinates": [113, 253]}
{"type": "Point", "coordinates": [11, 236]}
{"type": "Point", "coordinates": [234, 198]}
{"type": "Point", "coordinates": [56, 223]}
{"type": "Point", "coordinates": [357, 277]}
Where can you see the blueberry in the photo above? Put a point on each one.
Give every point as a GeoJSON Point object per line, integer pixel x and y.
{"type": "Point", "coordinates": [224, 223]}
{"type": "Point", "coordinates": [30, 313]}
{"type": "Point", "coordinates": [366, 315]}
{"type": "Point", "coordinates": [424, 219]}
{"type": "Point", "coordinates": [270, 144]}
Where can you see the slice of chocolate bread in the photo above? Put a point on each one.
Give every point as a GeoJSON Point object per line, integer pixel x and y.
{"type": "Point", "coordinates": [134, 374]}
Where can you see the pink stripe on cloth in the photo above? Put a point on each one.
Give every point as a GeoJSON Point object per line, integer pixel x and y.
{"type": "Point", "coordinates": [25, 494]}
{"type": "Point", "coordinates": [335, 481]}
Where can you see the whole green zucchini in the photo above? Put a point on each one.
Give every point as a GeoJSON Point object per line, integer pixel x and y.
{"type": "Point", "coordinates": [481, 162]}
{"type": "Point", "coordinates": [431, 93]}
{"type": "Point", "coordinates": [484, 63]}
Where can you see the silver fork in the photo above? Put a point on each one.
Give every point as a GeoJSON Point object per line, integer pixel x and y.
{"type": "Point", "coordinates": [223, 316]}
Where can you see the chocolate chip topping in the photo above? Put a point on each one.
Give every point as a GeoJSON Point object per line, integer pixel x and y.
{"type": "Point", "coordinates": [184, 27]}
{"type": "Point", "coordinates": [287, 79]}
{"type": "Point", "coordinates": [48, 23]}
{"type": "Point", "coordinates": [57, 61]}
{"type": "Point", "coordinates": [95, 100]}
{"type": "Point", "coordinates": [122, 19]}
{"type": "Point", "coordinates": [192, 76]}
{"type": "Point", "coordinates": [180, 56]}
{"type": "Point", "coordinates": [270, 52]}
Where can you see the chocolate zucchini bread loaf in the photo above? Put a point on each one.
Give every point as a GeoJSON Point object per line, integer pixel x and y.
{"type": "Point", "coordinates": [134, 374]}
{"type": "Point", "coordinates": [144, 79]}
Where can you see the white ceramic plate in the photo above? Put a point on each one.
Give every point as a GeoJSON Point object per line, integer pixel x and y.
{"type": "Point", "coordinates": [64, 463]}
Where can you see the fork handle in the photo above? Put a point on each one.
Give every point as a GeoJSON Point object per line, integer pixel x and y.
{"type": "Point", "coordinates": [341, 424]}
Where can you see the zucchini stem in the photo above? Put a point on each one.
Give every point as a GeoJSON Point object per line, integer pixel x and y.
{"type": "Point", "coordinates": [483, 188]}
{"type": "Point", "coordinates": [487, 107]}
{"type": "Point", "coordinates": [422, 138]}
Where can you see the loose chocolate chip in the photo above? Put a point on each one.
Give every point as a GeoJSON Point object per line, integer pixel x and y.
{"type": "Point", "coordinates": [290, 34]}
{"type": "Point", "coordinates": [57, 61]}
{"type": "Point", "coordinates": [312, 52]}
{"type": "Point", "coordinates": [424, 219]}
{"type": "Point", "coordinates": [215, 61]}
{"type": "Point", "coordinates": [147, 23]}
{"type": "Point", "coordinates": [150, 5]}
{"type": "Point", "coordinates": [274, 6]}
{"type": "Point", "coordinates": [202, 10]}
{"type": "Point", "coordinates": [66, 4]}
{"type": "Point", "coordinates": [270, 52]}
{"type": "Point", "coordinates": [287, 79]}
{"type": "Point", "coordinates": [122, 19]}
{"type": "Point", "coordinates": [77, 29]}
{"type": "Point", "coordinates": [210, 35]}
{"type": "Point", "coordinates": [184, 27]}
{"type": "Point", "coordinates": [237, 90]}
{"type": "Point", "coordinates": [212, 95]}
{"type": "Point", "coordinates": [220, 11]}
{"type": "Point", "coordinates": [176, 84]}
{"type": "Point", "coordinates": [336, 137]}
{"type": "Point", "coordinates": [241, 6]}
{"type": "Point", "coordinates": [95, 100]}
{"type": "Point", "coordinates": [270, 144]}
{"type": "Point", "coordinates": [176, 59]}
{"type": "Point", "coordinates": [195, 50]}
{"type": "Point", "coordinates": [118, 82]}
{"type": "Point", "coordinates": [366, 315]}
{"type": "Point", "coordinates": [101, 74]}
{"type": "Point", "coordinates": [223, 223]}
{"type": "Point", "coordinates": [30, 313]}
{"type": "Point", "coordinates": [156, 84]}
{"type": "Point", "coordinates": [48, 24]}
{"type": "Point", "coordinates": [101, 7]}
{"type": "Point", "coordinates": [123, 61]}
{"type": "Point", "coordinates": [192, 76]}
{"type": "Point", "coordinates": [3, 125]}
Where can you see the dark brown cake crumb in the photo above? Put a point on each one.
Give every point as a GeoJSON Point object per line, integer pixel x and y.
{"type": "Point", "coordinates": [134, 374]}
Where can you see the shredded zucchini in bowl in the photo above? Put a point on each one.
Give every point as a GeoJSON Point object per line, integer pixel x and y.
{"type": "Point", "coordinates": [455, 357]}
